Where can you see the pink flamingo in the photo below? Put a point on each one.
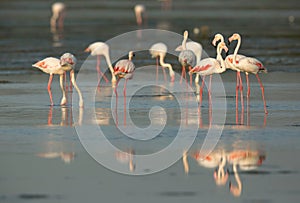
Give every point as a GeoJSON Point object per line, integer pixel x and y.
{"type": "Point", "coordinates": [139, 10]}
{"type": "Point", "coordinates": [186, 57]}
{"type": "Point", "coordinates": [53, 66]}
{"type": "Point", "coordinates": [58, 15]}
{"type": "Point", "coordinates": [197, 49]}
{"type": "Point", "coordinates": [230, 65]}
{"type": "Point", "coordinates": [209, 66]}
{"type": "Point", "coordinates": [98, 49]}
{"type": "Point", "coordinates": [124, 69]}
{"type": "Point", "coordinates": [159, 50]}
{"type": "Point", "coordinates": [249, 65]}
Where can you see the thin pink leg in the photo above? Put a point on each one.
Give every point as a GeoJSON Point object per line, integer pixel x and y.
{"type": "Point", "coordinates": [182, 74]}
{"type": "Point", "coordinates": [164, 72]}
{"type": "Point", "coordinates": [237, 99]}
{"type": "Point", "coordinates": [248, 99]}
{"type": "Point", "coordinates": [99, 71]}
{"type": "Point", "coordinates": [49, 89]}
{"type": "Point", "coordinates": [191, 77]}
{"type": "Point", "coordinates": [124, 92]}
{"type": "Point", "coordinates": [241, 91]}
{"type": "Point", "coordinates": [201, 90]}
{"type": "Point", "coordinates": [156, 68]}
{"type": "Point", "coordinates": [209, 89]}
{"type": "Point", "coordinates": [116, 110]}
{"type": "Point", "coordinates": [262, 93]}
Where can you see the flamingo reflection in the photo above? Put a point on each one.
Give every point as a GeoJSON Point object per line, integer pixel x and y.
{"type": "Point", "coordinates": [126, 157]}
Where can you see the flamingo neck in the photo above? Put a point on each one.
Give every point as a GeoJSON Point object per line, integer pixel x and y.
{"type": "Point", "coordinates": [221, 60]}
{"type": "Point", "coordinates": [107, 58]}
{"type": "Point", "coordinates": [183, 44]}
{"type": "Point", "coordinates": [167, 65]}
{"type": "Point", "coordinates": [236, 50]}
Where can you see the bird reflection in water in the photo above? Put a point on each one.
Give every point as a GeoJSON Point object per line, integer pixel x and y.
{"type": "Point", "coordinates": [66, 116]}
{"type": "Point", "coordinates": [126, 157]}
{"type": "Point", "coordinates": [237, 159]}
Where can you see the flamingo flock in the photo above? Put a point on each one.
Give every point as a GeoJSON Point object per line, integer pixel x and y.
{"type": "Point", "coordinates": [190, 57]}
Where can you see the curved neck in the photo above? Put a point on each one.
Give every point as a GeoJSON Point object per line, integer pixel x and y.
{"type": "Point", "coordinates": [167, 65]}
{"type": "Point", "coordinates": [236, 50]}
{"type": "Point", "coordinates": [107, 58]}
{"type": "Point", "coordinates": [221, 60]}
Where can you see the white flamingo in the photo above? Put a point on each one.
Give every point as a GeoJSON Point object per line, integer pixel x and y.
{"type": "Point", "coordinates": [249, 65]}
{"type": "Point", "coordinates": [186, 57]}
{"type": "Point", "coordinates": [230, 65]}
{"type": "Point", "coordinates": [58, 15]}
{"type": "Point", "coordinates": [98, 49]}
{"type": "Point", "coordinates": [53, 66]}
{"type": "Point", "coordinates": [139, 11]}
{"type": "Point", "coordinates": [209, 66]}
{"type": "Point", "coordinates": [159, 50]}
{"type": "Point", "coordinates": [197, 49]}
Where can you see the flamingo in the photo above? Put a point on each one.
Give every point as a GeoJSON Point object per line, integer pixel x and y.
{"type": "Point", "coordinates": [197, 49]}
{"type": "Point", "coordinates": [51, 66]}
{"type": "Point", "coordinates": [58, 15]}
{"type": "Point", "coordinates": [159, 50]}
{"type": "Point", "coordinates": [139, 10]}
{"type": "Point", "coordinates": [98, 49]}
{"type": "Point", "coordinates": [186, 57]}
{"type": "Point", "coordinates": [209, 66]}
{"type": "Point", "coordinates": [230, 65]}
{"type": "Point", "coordinates": [124, 69]}
{"type": "Point", "coordinates": [249, 65]}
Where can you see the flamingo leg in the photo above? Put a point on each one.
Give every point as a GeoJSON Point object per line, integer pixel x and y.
{"type": "Point", "coordinates": [124, 93]}
{"type": "Point", "coordinates": [241, 91]}
{"type": "Point", "coordinates": [61, 82]}
{"type": "Point", "coordinates": [210, 101]}
{"type": "Point", "coordinates": [116, 93]}
{"type": "Point", "coordinates": [72, 75]}
{"type": "Point", "coordinates": [49, 89]}
{"type": "Point", "coordinates": [182, 74]}
{"type": "Point", "coordinates": [237, 99]}
{"type": "Point", "coordinates": [248, 99]}
{"type": "Point", "coordinates": [201, 90]}
{"type": "Point", "coordinates": [156, 68]}
{"type": "Point", "coordinates": [100, 73]}
{"type": "Point", "coordinates": [191, 77]}
{"type": "Point", "coordinates": [262, 93]}
{"type": "Point", "coordinates": [164, 72]}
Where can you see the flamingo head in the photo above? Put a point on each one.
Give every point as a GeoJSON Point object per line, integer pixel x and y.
{"type": "Point", "coordinates": [235, 36]}
{"type": "Point", "coordinates": [221, 178]}
{"type": "Point", "coordinates": [131, 55]}
{"type": "Point", "coordinates": [223, 46]}
{"type": "Point", "coordinates": [67, 61]}
{"type": "Point", "coordinates": [218, 37]}
{"type": "Point", "coordinates": [185, 34]}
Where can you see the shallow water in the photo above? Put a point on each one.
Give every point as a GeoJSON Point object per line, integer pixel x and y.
{"type": "Point", "coordinates": [42, 158]}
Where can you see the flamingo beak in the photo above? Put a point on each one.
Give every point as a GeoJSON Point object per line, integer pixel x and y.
{"type": "Point", "coordinates": [87, 50]}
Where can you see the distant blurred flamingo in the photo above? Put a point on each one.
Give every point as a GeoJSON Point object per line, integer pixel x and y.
{"type": "Point", "coordinates": [248, 65]}
{"type": "Point", "coordinates": [98, 49]}
{"type": "Point", "coordinates": [139, 11]}
{"type": "Point", "coordinates": [186, 58]}
{"type": "Point", "coordinates": [159, 50]}
{"type": "Point", "coordinates": [58, 15]}
{"type": "Point", "coordinates": [53, 66]}
{"type": "Point", "coordinates": [124, 69]}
